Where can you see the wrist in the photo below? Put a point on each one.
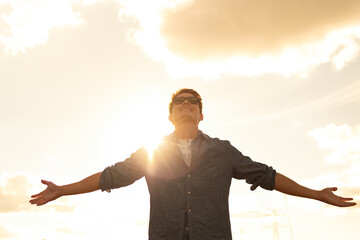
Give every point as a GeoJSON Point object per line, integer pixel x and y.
{"type": "Point", "coordinates": [318, 195]}
{"type": "Point", "coordinates": [61, 191]}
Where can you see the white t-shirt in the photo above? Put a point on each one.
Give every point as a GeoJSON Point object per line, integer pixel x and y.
{"type": "Point", "coordinates": [185, 148]}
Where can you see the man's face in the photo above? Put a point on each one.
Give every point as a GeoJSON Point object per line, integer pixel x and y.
{"type": "Point", "coordinates": [185, 111]}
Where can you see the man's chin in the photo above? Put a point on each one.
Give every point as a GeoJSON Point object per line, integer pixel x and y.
{"type": "Point", "coordinates": [186, 119]}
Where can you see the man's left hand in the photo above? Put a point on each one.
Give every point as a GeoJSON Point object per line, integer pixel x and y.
{"type": "Point", "coordinates": [327, 196]}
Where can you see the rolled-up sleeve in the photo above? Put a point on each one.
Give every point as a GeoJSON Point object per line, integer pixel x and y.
{"type": "Point", "coordinates": [124, 173]}
{"type": "Point", "coordinates": [255, 173]}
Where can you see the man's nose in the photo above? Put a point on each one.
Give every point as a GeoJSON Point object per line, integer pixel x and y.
{"type": "Point", "coordinates": [186, 102]}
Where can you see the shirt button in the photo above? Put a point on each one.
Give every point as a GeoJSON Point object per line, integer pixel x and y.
{"type": "Point", "coordinates": [189, 193]}
{"type": "Point", "coordinates": [189, 210]}
{"type": "Point", "coordinates": [187, 228]}
{"type": "Point", "coordinates": [188, 175]}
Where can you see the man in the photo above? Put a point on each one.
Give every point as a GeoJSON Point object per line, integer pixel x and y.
{"type": "Point", "coordinates": [189, 177]}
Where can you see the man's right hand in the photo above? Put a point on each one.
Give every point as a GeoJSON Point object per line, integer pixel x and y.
{"type": "Point", "coordinates": [51, 193]}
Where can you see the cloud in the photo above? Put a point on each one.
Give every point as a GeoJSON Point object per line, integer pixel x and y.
{"type": "Point", "coordinates": [15, 191]}
{"type": "Point", "coordinates": [347, 94]}
{"type": "Point", "coordinates": [208, 39]}
{"type": "Point", "coordinates": [63, 207]}
{"type": "Point", "coordinates": [5, 9]}
{"type": "Point", "coordinates": [65, 230]}
{"type": "Point", "coordinates": [211, 38]}
{"type": "Point", "coordinates": [13, 195]}
{"type": "Point", "coordinates": [5, 233]}
{"type": "Point", "coordinates": [211, 28]}
{"type": "Point", "coordinates": [348, 186]}
{"type": "Point", "coordinates": [28, 23]}
{"type": "Point", "coordinates": [343, 142]}
{"type": "Point", "coordinates": [351, 191]}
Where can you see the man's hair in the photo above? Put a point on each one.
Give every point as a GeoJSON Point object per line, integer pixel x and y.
{"type": "Point", "coordinates": [185, 90]}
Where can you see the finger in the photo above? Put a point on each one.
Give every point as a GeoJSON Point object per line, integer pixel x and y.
{"type": "Point", "coordinates": [39, 194]}
{"type": "Point", "coordinates": [35, 201]}
{"type": "Point", "coordinates": [46, 182]}
{"type": "Point", "coordinates": [41, 203]}
{"type": "Point", "coordinates": [346, 199]}
{"type": "Point", "coordinates": [349, 204]}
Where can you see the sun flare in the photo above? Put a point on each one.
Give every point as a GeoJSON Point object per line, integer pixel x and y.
{"type": "Point", "coordinates": [148, 116]}
{"type": "Point", "coordinates": [151, 147]}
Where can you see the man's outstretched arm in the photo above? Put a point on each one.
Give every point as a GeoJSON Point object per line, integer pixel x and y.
{"type": "Point", "coordinates": [52, 192]}
{"type": "Point", "coordinates": [285, 185]}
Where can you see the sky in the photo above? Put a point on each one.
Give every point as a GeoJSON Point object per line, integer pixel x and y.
{"type": "Point", "coordinates": [84, 83]}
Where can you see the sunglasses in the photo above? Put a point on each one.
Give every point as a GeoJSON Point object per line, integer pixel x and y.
{"type": "Point", "coordinates": [180, 100]}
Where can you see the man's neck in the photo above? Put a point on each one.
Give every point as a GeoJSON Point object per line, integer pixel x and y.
{"type": "Point", "coordinates": [186, 131]}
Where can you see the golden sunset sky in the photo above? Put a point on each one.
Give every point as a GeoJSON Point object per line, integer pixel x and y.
{"type": "Point", "coordinates": [84, 83]}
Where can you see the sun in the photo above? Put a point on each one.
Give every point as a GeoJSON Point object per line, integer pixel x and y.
{"type": "Point", "coordinates": [156, 127]}
{"type": "Point", "coordinates": [148, 116]}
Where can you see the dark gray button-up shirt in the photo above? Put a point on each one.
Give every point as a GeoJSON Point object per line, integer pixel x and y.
{"type": "Point", "coordinates": [189, 202]}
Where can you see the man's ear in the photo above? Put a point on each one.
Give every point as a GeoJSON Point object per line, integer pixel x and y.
{"type": "Point", "coordinates": [170, 117]}
{"type": "Point", "coordinates": [201, 117]}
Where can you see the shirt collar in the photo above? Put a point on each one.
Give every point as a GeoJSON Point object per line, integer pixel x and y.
{"type": "Point", "coordinates": [172, 137]}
